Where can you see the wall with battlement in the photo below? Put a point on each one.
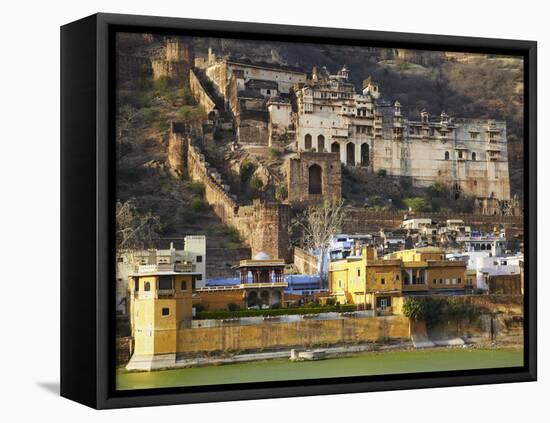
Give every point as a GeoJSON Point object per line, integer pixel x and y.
{"type": "Point", "coordinates": [200, 93]}
{"type": "Point", "coordinates": [261, 225]}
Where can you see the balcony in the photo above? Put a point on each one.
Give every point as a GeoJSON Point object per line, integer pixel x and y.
{"type": "Point", "coordinates": [165, 293]}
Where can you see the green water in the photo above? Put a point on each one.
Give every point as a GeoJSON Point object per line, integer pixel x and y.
{"type": "Point", "coordinates": [362, 365]}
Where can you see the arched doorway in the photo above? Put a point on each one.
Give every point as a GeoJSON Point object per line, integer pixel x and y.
{"type": "Point", "coordinates": [307, 142]}
{"type": "Point", "coordinates": [321, 143]}
{"type": "Point", "coordinates": [364, 154]}
{"type": "Point", "coordinates": [315, 175]}
{"type": "Point", "coordinates": [335, 147]}
{"type": "Point", "coordinates": [350, 154]}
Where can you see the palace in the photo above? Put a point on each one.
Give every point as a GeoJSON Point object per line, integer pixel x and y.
{"type": "Point", "coordinates": [469, 155]}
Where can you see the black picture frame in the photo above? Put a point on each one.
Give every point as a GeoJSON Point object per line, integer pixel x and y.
{"type": "Point", "coordinates": [87, 224]}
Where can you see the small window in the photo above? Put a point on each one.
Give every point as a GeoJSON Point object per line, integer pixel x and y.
{"type": "Point", "coordinates": [383, 281]}
{"type": "Point", "coordinates": [435, 281]}
{"type": "Point", "coordinates": [440, 281]}
{"type": "Point", "coordinates": [397, 277]}
{"type": "Point", "coordinates": [166, 311]}
{"type": "Point", "coordinates": [199, 277]}
{"type": "Point", "coordinates": [199, 259]}
{"type": "Point", "coordinates": [358, 272]}
{"type": "Point", "coordinates": [459, 281]}
{"type": "Point", "coordinates": [184, 285]}
{"type": "Point", "coordinates": [147, 286]}
{"type": "Point", "coordinates": [447, 155]}
{"type": "Point", "coordinates": [460, 154]}
{"type": "Point", "coordinates": [474, 157]}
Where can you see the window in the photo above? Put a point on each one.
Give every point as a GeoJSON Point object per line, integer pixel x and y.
{"type": "Point", "coordinates": [447, 155]}
{"type": "Point", "coordinates": [136, 284]}
{"type": "Point", "coordinates": [435, 281]}
{"type": "Point", "coordinates": [383, 281]}
{"type": "Point", "coordinates": [199, 277]}
{"type": "Point", "coordinates": [199, 259]}
{"type": "Point", "coordinates": [474, 157]}
{"type": "Point", "coordinates": [397, 277]}
{"type": "Point", "coordinates": [183, 285]}
{"type": "Point", "coordinates": [358, 272]}
{"type": "Point", "coordinates": [147, 286]}
{"type": "Point", "coordinates": [165, 311]}
{"type": "Point", "coordinates": [460, 154]}
{"type": "Point", "coordinates": [459, 281]}
{"type": "Point", "coordinates": [440, 281]}
{"type": "Point", "coordinates": [307, 141]}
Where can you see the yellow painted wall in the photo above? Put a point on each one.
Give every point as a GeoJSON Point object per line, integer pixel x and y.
{"type": "Point", "coordinates": [307, 333]}
{"type": "Point", "coordinates": [153, 332]}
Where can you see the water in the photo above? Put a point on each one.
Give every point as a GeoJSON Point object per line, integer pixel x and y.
{"type": "Point", "coordinates": [371, 363]}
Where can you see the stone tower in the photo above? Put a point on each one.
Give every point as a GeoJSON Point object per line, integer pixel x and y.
{"type": "Point", "coordinates": [179, 59]}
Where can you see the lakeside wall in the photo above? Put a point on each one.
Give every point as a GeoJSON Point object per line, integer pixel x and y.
{"type": "Point", "coordinates": [287, 335]}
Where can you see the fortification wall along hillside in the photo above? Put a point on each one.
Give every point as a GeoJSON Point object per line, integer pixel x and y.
{"type": "Point", "coordinates": [288, 335]}
{"type": "Point", "coordinates": [362, 220]}
{"type": "Point", "coordinates": [261, 225]}
{"type": "Point", "coordinates": [200, 93]}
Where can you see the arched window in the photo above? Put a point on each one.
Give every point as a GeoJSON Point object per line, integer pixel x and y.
{"type": "Point", "coordinates": [308, 142]}
{"type": "Point", "coordinates": [447, 155]}
{"type": "Point", "coordinates": [335, 147]}
{"type": "Point", "coordinates": [147, 286]}
{"type": "Point", "coordinates": [474, 157]}
{"type": "Point", "coordinates": [315, 177]}
{"type": "Point", "coordinates": [320, 143]}
{"type": "Point", "coordinates": [364, 154]}
{"type": "Point", "coordinates": [350, 154]}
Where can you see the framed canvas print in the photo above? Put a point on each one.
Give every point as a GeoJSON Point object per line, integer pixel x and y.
{"type": "Point", "coordinates": [254, 211]}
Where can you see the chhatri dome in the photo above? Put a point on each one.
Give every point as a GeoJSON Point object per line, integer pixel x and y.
{"type": "Point", "coordinates": [262, 256]}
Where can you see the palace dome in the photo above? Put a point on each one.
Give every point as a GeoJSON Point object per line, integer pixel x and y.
{"type": "Point", "coordinates": [262, 256]}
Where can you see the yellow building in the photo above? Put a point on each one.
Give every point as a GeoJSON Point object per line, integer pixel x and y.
{"type": "Point", "coordinates": [373, 282]}
{"type": "Point", "coordinates": [160, 298]}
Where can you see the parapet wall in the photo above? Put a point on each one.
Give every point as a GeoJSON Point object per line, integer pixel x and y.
{"type": "Point", "coordinates": [200, 93]}
{"type": "Point", "coordinates": [261, 225]}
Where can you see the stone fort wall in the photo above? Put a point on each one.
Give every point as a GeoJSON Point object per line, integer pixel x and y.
{"type": "Point", "coordinates": [200, 93]}
{"type": "Point", "coordinates": [261, 225]}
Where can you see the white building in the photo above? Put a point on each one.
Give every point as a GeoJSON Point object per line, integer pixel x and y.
{"type": "Point", "coordinates": [469, 155]}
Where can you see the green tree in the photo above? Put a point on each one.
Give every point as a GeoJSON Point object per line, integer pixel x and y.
{"type": "Point", "coordinates": [417, 204]}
